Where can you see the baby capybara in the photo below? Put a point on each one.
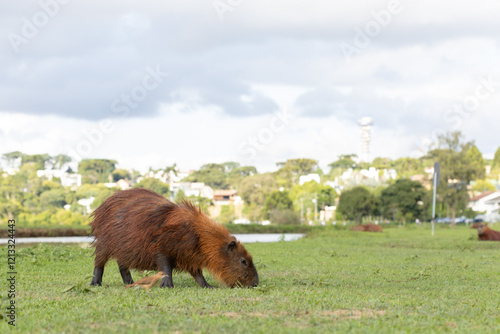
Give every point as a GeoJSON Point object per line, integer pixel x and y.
{"type": "Point", "coordinates": [484, 233]}
{"type": "Point", "coordinates": [143, 230]}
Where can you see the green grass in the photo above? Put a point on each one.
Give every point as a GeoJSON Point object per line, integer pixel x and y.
{"type": "Point", "coordinates": [399, 281]}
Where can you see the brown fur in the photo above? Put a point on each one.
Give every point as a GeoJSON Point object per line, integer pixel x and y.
{"type": "Point", "coordinates": [367, 228]}
{"type": "Point", "coordinates": [143, 230]}
{"type": "Point", "coordinates": [484, 233]}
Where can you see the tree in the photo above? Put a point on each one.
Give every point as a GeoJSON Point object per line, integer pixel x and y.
{"type": "Point", "coordinates": [59, 161]}
{"type": "Point", "coordinates": [254, 189]}
{"type": "Point", "coordinates": [496, 160]}
{"type": "Point", "coordinates": [213, 175]}
{"type": "Point", "coordinates": [460, 163]}
{"type": "Point", "coordinates": [277, 200]}
{"type": "Point", "coordinates": [96, 170]}
{"type": "Point", "coordinates": [292, 169]}
{"type": "Point", "coordinates": [53, 198]}
{"type": "Point", "coordinates": [299, 166]}
{"type": "Point", "coordinates": [406, 197]}
{"type": "Point", "coordinates": [119, 174]}
{"type": "Point", "coordinates": [357, 203]}
{"type": "Point", "coordinates": [482, 186]}
{"type": "Point", "coordinates": [155, 185]}
{"type": "Point", "coordinates": [303, 196]}
{"type": "Point", "coordinates": [180, 196]}
{"type": "Point", "coordinates": [344, 162]}
{"type": "Point", "coordinates": [238, 174]}
{"type": "Point", "coordinates": [406, 167]}
{"type": "Point", "coordinates": [40, 160]}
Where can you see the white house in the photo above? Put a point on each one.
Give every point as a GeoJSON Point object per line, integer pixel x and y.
{"type": "Point", "coordinates": [309, 177]}
{"type": "Point", "coordinates": [192, 189]}
{"type": "Point", "coordinates": [489, 203]}
{"type": "Point", "coordinates": [67, 179]}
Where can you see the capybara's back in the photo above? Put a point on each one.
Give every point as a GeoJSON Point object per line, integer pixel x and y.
{"type": "Point", "coordinates": [145, 231]}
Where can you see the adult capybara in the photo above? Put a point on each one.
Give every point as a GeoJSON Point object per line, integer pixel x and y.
{"type": "Point", "coordinates": [373, 228]}
{"type": "Point", "coordinates": [367, 228]}
{"type": "Point", "coordinates": [359, 228]}
{"type": "Point", "coordinates": [485, 233]}
{"type": "Point", "coordinates": [143, 230]}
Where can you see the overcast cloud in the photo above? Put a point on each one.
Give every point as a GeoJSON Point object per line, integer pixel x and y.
{"type": "Point", "coordinates": [205, 81]}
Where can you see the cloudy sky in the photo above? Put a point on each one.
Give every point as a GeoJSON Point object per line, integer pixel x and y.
{"type": "Point", "coordinates": [153, 83]}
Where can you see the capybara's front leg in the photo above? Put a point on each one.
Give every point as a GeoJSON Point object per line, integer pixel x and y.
{"type": "Point", "coordinates": [164, 264]}
{"type": "Point", "coordinates": [126, 276]}
{"type": "Point", "coordinates": [97, 279]}
{"type": "Point", "coordinates": [200, 279]}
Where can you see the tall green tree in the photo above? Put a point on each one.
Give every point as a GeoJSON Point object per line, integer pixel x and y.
{"type": "Point", "coordinates": [356, 203]}
{"type": "Point", "coordinates": [40, 160]}
{"type": "Point", "coordinates": [277, 200]}
{"type": "Point", "coordinates": [496, 161]}
{"type": "Point", "coordinates": [290, 170]}
{"type": "Point", "coordinates": [405, 197]}
{"type": "Point", "coordinates": [461, 162]}
{"type": "Point", "coordinates": [96, 170]}
{"type": "Point", "coordinates": [213, 175]}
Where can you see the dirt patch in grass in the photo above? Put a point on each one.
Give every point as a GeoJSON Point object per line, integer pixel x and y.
{"type": "Point", "coordinates": [340, 314]}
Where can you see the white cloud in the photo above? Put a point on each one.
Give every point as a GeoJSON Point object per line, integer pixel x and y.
{"type": "Point", "coordinates": [227, 78]}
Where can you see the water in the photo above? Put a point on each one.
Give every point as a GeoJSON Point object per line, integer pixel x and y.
{"type": "Point", "coordinates": [245, 238]}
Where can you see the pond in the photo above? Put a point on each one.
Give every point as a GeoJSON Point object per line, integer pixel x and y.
{"type": "Point", "coordinates": [245, 238]}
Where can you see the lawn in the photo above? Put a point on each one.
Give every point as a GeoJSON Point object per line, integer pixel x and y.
{"type": "Point", "coordinates": [401, 280]}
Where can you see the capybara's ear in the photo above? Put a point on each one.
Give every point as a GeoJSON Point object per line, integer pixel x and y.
{"type": "Point", "coordinates": [231, 245]}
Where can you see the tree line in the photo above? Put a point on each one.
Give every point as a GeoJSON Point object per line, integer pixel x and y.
{"type": "Point", "coordinates": [275, 196]}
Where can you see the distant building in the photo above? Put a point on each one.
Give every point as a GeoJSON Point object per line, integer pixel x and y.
{"type": "Point", "coordinates": [192, 189]}
{"type": "Point", "coordinates": [67, 179]}
{"type": "Point", "coordinates": [308, 178]}
{"type": "Point", "coordinates": [489, 203]}
{"type": "Point", "coordinates": [328, 213]}
{"type": "Point", "coordinates": [224, 196]}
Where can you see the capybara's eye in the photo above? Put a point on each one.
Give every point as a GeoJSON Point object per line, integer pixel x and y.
{"type": "Point", "coordinates": [243, 261]}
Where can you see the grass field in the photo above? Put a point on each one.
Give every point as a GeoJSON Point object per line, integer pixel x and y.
{"type": "Point", "coordinates": [402, 280]}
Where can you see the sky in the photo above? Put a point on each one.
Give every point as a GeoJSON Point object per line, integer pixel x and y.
{"type": "Point", "coordinates": [154, 83]}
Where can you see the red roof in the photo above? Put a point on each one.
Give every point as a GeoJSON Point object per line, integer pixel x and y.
{"type": "Point", "coordinates": [478, 197]}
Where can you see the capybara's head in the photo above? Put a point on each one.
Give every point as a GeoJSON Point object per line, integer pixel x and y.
{"type": "Point", "coordinates": [481, 227]}
{"type": "Point", "coordinates": [237, 266]}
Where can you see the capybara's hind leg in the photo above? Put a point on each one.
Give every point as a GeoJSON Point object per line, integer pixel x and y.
{"type": "Point", "coordinates": [198, 277]}
{"type": "Point", "coordinates": [97, 279]}
{"type": "Point", "coordinates": [126, 276]}
{"type": "Point", "coordinates": [99, 263]}
{"type": "Point", "coordinates": [164, 264]}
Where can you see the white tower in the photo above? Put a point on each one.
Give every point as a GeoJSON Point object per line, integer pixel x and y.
{"type": "Point", "coordinates": [366, 124]}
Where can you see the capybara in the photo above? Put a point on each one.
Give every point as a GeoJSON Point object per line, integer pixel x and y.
{"type": "Point", "coordinates": [145, 231]}
{"type": "Point", "coordinates": [373, 228]}
{"type": "Point", "coordinates": [359, 228]}
{"type": "Point", "coordinates": [485, 233]}
{"type": "Point", "coordinates": [367, 228]}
